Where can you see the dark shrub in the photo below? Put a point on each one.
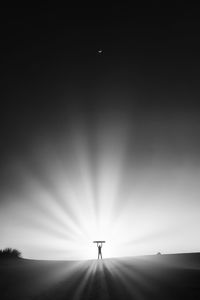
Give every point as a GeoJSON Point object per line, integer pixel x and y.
{"type": "Point", "coordinates": [10, 253]}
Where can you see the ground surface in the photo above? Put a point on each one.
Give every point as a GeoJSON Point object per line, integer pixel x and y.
{"type": "Point", "coordinates": [149, 277]}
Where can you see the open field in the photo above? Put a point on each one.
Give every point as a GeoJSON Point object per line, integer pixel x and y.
{"type": "Point", "coordinates": [171, 277]}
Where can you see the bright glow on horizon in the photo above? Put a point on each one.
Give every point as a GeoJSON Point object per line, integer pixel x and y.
{"type": "Point", "coordinates": [74, 188]}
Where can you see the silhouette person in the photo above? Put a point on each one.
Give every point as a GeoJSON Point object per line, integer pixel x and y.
{"type": "Point", "coordinates": [99, 250]}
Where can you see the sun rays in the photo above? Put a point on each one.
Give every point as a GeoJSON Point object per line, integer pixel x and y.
{"type": "Point", "coordinates": [90, 184]}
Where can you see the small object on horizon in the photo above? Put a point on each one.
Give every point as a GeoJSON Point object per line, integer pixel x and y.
{"type": "Point", "coordinates": [158, 253]}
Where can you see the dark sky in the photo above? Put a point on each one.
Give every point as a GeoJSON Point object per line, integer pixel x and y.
{"type": "Point", "coordinates": [51, 70]}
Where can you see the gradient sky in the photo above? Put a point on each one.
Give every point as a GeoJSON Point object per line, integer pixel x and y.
{"type": "Point", "coordinates": [100, 146]}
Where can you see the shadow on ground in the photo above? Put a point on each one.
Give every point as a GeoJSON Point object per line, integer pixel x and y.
{"type": "Point", "coordinates": [148, 277]}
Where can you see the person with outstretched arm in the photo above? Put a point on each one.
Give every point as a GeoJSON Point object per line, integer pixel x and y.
{"type": "Point", "coordinates": [99, 246]}
{"type": "Point", "coordinates": [99, 250]}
